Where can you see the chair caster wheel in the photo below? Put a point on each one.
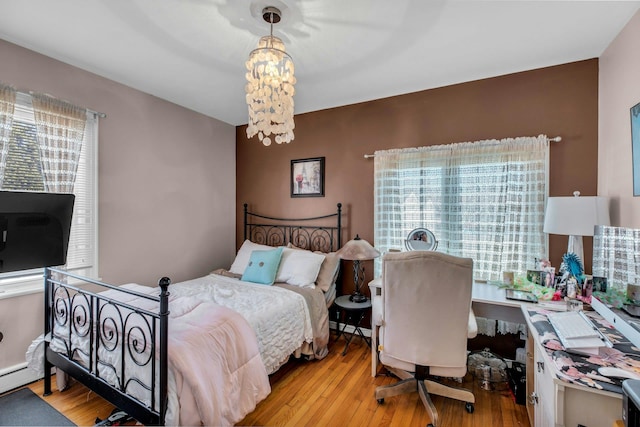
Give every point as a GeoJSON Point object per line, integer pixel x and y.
{"type": "Point", "coordinates": [469, 407]}
{"type": "Point", "coordinates": [381, 401]}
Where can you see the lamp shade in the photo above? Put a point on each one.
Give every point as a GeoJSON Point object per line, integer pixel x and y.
{"type": "Point", "coordinates": [358, 249]}
{"type": "Point", "coordinates": [575, 216]}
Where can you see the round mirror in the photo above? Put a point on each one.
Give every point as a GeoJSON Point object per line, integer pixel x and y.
{"type": "Point", "coordinates": [421, 239]}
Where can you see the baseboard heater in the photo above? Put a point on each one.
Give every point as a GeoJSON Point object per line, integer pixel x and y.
{"type": "Point", "coordinates": [17, 376]}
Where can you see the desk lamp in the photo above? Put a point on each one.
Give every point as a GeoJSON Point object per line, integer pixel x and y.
{"type": "Point", "coordinates": [357, 250]}
{"type": "Point", "coordinates": [576, 217]}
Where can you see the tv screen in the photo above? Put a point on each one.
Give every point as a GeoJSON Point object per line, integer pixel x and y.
{"type": "Point", "coordinates": [34, 229]}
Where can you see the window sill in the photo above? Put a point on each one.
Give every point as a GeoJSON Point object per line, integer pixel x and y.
{"type": "Point", "coordinates": [27, 288]}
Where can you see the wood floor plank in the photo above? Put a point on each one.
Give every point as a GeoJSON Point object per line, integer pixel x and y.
{"type": "Point", "coordinates": [335, 391]}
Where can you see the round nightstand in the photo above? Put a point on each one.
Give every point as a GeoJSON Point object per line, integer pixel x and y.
{"type": "Point", "coordinates": [353, 313]}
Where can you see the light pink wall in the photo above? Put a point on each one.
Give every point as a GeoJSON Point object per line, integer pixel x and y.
{"type": "Point", "coordinates": [166, 185]}
{"type": "Point", "coordinates": [619, 90]}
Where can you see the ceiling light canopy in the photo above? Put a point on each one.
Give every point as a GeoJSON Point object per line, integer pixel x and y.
{"type": "Point", "coordinates": [270, 87]}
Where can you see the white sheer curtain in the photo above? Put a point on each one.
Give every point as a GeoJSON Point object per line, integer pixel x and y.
{"type": "Point", "coordinates": [483, 200]}
{"type": "Point", "coordinates": [616, 256]}
{"type": "Point", "coordinates": [7, 105]}
{"type": "Point", "coordinates": [60, 132]}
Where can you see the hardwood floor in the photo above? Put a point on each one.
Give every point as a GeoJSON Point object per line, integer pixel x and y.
{"type": "Point", "coordinates": [336, 391]}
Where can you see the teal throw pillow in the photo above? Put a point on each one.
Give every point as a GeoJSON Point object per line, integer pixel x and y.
{"type": "Point", "coordinates": [263, 266]}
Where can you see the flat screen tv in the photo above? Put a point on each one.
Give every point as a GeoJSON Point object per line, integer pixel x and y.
{"type": "Point", "coordinates": [34, 229]}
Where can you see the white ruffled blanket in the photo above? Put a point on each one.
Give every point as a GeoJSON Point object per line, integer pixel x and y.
{"type": "Point", "coordinates": [280, 318]}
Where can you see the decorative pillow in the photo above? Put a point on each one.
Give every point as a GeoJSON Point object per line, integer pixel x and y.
{"type": "Point", "coordinates": [329, 269]}
{"type": "Point", "coordinates": [299, 267]}
{"type": "Point", "coordinates": [243, 255]}
{"type": "Point", "coordinates": [263, 266]}
{"type": "Point", "coordinates": [328, 273]}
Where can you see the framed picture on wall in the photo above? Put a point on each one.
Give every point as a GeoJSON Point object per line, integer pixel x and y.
{"type": "Point", "coordinates": [307, 177]}
{"type": "Point", "coordinates": [635, 147]}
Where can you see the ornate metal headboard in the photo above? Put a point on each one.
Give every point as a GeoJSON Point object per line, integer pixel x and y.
{"type": "Point", "coordinates": [320, 233]}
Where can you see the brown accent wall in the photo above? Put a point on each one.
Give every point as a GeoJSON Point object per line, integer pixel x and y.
{"type": "Point", "coordinates": [556, 101]}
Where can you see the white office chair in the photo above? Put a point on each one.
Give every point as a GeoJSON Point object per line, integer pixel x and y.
{"type": "Point", "coordinates": [425, 322]}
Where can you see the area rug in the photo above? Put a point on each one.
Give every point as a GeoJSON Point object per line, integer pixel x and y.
{"type": "Point", "coordinates": [24, 408]}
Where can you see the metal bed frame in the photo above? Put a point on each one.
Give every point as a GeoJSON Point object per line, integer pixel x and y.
{"type": "Point", "coordinates": [282, 231]}
{"type": "Point", "coordinates": [107, 323]}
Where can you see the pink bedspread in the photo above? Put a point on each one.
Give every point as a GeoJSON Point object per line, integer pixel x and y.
{"type": "Point", "coordinates": [218, 371]}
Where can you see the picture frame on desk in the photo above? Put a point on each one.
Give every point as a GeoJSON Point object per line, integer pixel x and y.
{"type": "Point", "coordinates": [587, 287]}
{"type": "Point", "coordinates": [599, 284]}
{"type": "Point", "coordinates": [533, 276]}
{"type": "Point", "coordinates": [547, 279]}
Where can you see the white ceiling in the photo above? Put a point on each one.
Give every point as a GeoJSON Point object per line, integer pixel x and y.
{"type": "Point", "coordinates": [192, 52]}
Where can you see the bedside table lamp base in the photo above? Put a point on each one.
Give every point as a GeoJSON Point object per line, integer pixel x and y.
{"type": "Point", "coordinates": [357, 250]}
{"type": "Point", "coordinates": [358, 279]}
{"type": "Point", "coordinates": [357, 297]}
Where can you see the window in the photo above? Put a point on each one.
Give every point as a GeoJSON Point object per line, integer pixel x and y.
{"type": "Point", "coordinates": [483, 200]}
{"type": "Point", "coordinates": [23, 171]}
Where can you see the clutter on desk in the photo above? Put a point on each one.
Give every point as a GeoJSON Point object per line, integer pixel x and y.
{"type": "Point", "coordinates": [583, 369]}
{"type": "Point", "coordinates": [613, 297]}
{"type": "Point", "coordinates": [568, 283]}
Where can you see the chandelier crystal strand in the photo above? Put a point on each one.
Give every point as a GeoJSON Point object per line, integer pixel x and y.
{"type": "Point", "coordinates": [270, 90]}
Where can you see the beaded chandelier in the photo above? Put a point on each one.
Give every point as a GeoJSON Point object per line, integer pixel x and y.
{"type": "Point", "coordinates": [270, 87]}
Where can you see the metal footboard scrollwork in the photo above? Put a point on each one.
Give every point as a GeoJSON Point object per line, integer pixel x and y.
{"type": "Point", "coordinates": [300, 232]}
{"type": "Point", "coordinates": [114, 342]}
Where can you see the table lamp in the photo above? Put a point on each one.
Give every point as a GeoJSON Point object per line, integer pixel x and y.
{"type": "Point", "coordinates": [576, 217]}
{"type": "Point", "coordinates": [357, 250]}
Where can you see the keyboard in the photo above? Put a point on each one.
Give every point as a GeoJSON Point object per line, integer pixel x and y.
{"type": "Point", "coordinates": [577, 333]}
{"type": "Point", "coordinates": [571, 326]}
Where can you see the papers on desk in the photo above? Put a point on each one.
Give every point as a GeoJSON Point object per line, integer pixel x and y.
{"type": "Point", "coordinates": [577, 333]}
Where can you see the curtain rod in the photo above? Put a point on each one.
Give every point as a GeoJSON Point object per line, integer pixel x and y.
{"type": "Point", "coordinates": [554, 139]}
{"type": "Point", "coordinates": [89, 110]}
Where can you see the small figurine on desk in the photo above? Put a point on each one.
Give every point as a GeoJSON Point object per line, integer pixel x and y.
{"type": "Point", "coordinates": [572, 268]}
{"type": "Point", "coordinates": [572, 285]}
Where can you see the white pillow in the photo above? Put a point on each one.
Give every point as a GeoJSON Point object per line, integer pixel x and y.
{"type": "Point", "coordinates": [329, 269]}
{"type": "Point", "coordinates": [243, 255]}
{"type": "Point", "coordinates": [298, 267]}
